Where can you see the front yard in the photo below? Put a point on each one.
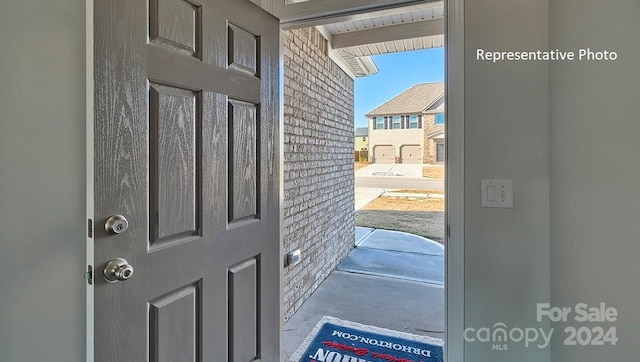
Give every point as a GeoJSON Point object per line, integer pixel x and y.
{"type": "Point", "coordinates": [417, 215]}
{"type": "Point", "coordinates": [433, 171]}
{"type": "Point", "coordinates": [359, 165]}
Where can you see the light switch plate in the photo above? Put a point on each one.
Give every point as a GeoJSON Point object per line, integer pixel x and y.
{"type": "Point", "coordinates": [496, 193]}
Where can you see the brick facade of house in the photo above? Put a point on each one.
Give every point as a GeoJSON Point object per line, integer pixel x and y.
{"type": "Point", "coordinates": [318, 164]}
{"type": "Point", "coordinates": [430, 145]}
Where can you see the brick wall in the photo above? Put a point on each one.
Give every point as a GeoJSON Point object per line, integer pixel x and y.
{"type": "Point", "coordinates": [318, 164]}
{"type": "Point", "coordinates": [428, 123]}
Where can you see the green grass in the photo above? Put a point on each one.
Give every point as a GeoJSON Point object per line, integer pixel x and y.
{"type": "Point", "coordinates": [429, 224]}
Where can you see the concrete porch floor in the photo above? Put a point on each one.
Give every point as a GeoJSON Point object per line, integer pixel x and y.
{"type": "Point", "coordinates": [358, 291]}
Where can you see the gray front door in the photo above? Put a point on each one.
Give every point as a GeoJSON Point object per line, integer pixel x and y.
{"type": "Point", "coordinates": [186, 149]}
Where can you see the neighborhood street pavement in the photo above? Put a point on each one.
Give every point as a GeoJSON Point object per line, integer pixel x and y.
{"type": "Point", "coordinates": [395, 176]}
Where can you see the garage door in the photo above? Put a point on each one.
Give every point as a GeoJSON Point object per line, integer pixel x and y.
{"type": "Point", "coordinates": [384, 154]}
{"type": "Point", "coordinates": [411, 154]}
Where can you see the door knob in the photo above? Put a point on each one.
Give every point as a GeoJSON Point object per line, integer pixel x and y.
{"type": "Point", "coordinates": [116, 224]}
{"type": "Point", "coordinates": [118, 270]}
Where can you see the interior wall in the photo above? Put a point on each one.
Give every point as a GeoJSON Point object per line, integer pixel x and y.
{"type": "Point", "coordinates": [506, 137]}
{"type": "Point", "coordinates": [42, 180]}
{"type": "Point", "coordinates": [595, 177]}
{"type": "Point", "coordinates": [318, 164]}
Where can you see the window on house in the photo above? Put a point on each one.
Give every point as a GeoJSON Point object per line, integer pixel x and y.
{"type": "Point", "coordinates": [440, 118]}
{"type": "Point", "coordinates": [413, 121]}
{"type": "Point", "coordinates": [379, 123]}
{"type": "Point", "coordinates": [364, 138]}
{"type": "Point", "coordinates": [397, 122]}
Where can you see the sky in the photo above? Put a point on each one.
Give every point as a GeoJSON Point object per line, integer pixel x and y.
{"type": "Point", "coordinates": [397, 73]}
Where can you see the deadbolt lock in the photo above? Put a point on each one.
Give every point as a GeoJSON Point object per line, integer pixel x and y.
{"type": "Point", "coordinates": [116, 224]}
{"type": "Point", "coordinates": [118, 270]}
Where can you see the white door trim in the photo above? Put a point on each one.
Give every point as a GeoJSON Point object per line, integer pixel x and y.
{"type": "Point", "coordinates": [89, 114]}
{"type": "Point", "coordinates": [454, 157]}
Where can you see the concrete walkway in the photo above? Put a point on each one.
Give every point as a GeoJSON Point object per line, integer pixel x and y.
{"type": "Point", "coordinates": [364, 195]}
{"type": "Point", "coordinates": [391, 280]}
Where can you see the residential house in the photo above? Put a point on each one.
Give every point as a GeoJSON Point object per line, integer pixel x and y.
{"type": "Point", "coordinates": [361, 142]}
{"type": "Point", "coordinates": [409, 128]}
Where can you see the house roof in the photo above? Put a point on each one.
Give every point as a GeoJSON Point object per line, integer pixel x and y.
{"type": "Point", "coordinates": [416, 99]}
{"type": "Point", "coordinates": [362, 131]}
{"type": "Point", "coordinates": [437, 106]}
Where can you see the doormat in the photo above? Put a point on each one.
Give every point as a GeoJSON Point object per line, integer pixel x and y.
{"type": "Point", "coordinates": [336, 340]}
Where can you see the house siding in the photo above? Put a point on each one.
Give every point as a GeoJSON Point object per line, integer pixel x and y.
{"type": "Point", "coordinates": [399, 138]}
{"type": "Point", "coordinates": [405, 144]}
{"type": "Point", "coordinates": [318, 212]}
{"type": "Point", "coordinates": [362, 143]}
{"type": "Point", "coordinates": [395, 137]}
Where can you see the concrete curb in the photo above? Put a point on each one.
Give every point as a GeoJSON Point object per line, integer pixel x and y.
{"type": "Point", "coordinates": [413, 195]}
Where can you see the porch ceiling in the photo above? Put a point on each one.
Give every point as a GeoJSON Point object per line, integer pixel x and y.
{"type": "Point", "coordinates": [356, 38]}
{"type": "Point", "coordinates": [393, 31]}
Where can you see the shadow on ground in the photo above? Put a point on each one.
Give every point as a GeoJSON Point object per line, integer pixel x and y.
{"type": "Point", "coordinates": [429, 224]}
{"type": "Point", "coordinates": [390, 280]}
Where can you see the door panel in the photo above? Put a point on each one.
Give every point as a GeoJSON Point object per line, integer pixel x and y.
{"type": "Point", "coordinates": [243, 50]}
{"type": "Point", "coordinates": [243, 165]}
{"type": "Point", "coordinates": [186, 148]}
{"type": "Point", "coordinates": [173, 322]}
{"type": "Point", "coordinates": [174, 122]}
{"type": "Point", "coordinates": [175, 24]}
{"type": "Point", "coordinates": [244, 310]}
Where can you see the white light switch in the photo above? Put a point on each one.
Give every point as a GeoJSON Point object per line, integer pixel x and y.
{"type": "Point", "coordinates": [496, 193]}
{"type": "Point", "coordinates": [491, 193]}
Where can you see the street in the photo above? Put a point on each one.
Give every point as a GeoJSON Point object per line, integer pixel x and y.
{"type": "Point", "coordinates": [373, 176]}
{"type": "Point", "coordinates": [399, 182]}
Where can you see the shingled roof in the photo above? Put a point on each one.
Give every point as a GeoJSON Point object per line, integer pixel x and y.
{"type": "Point", "coordinates": [362, 131]}
{"type": "Point", "coordinates": [414, 100]}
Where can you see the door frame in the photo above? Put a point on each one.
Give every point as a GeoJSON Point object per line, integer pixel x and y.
{"type": "Point", "coordinates": [300, 15]}
{"type": "Point", "coordinates": [454, 186]}
{"type": "Point", "coordinates": [311, 13]}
